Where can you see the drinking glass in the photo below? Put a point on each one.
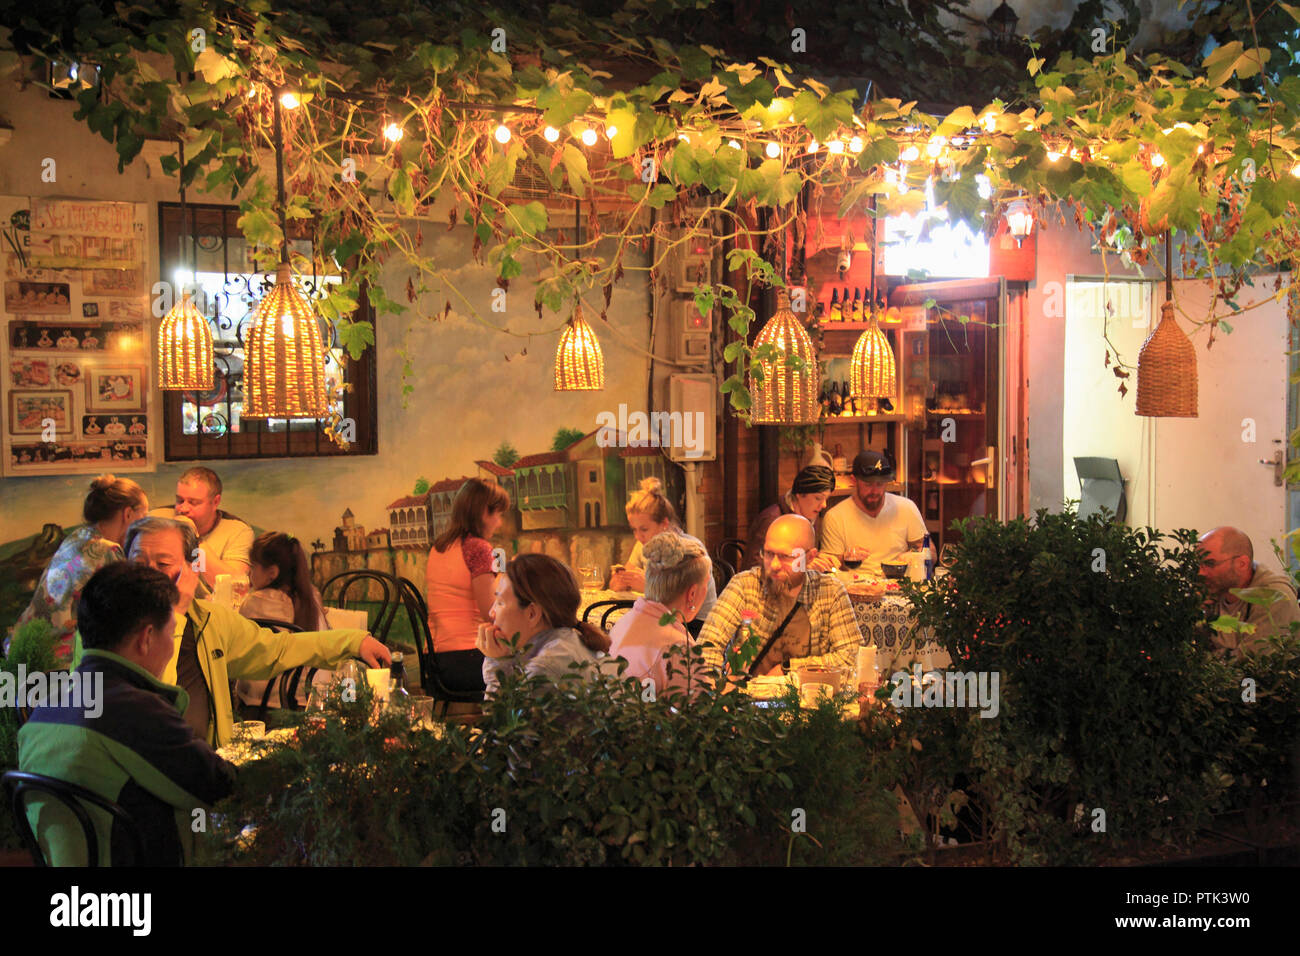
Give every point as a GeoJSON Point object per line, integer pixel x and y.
{"type": "Point", "coordinates": [238, 590]}
{"type": "Point", "coordinates": [422, 712]}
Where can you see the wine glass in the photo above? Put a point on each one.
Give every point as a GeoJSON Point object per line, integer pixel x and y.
{"type": "Point", "coordinates": [852, 558]}
{"type": "Point", "coordinates": [948, 556]}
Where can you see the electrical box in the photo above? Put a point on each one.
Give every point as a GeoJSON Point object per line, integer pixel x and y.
{"type": "Point", "coordinates": [695, 264]}
{"type": "Point", "coordinates": [691, 332]}
{"type": "Point", "coordinates": [693, 414]}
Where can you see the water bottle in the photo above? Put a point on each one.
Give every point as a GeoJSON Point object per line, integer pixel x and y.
{"type": "Point", "coordinates": [929, 558]}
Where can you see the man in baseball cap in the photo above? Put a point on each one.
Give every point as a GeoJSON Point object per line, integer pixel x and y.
{"type": "Point", "coordinates": [874, 525]}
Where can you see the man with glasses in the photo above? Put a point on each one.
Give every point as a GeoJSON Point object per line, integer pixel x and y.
{"type": "Point", "coordinates": [873, 526]}
{"type": "Point", "coordinates": [1228, 565]}
{"type": "Point", "coordinates": [803, 617]}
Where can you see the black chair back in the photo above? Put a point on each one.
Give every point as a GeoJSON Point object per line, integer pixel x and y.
{"type": "Point", "coordinates": [723, 572]}
{"type": "Point", "coordinates": [731, 551]}
{"type": "Point", "coordinates": [417, 610]}
{"type": "Point", "coordinates": [288, 681]}
{"type": "Point", "coordinates": [607, 608]}
{"type": "Point", "coordinates": [346, 581]}
{"type": "Point", "coordinates": [18, 784]}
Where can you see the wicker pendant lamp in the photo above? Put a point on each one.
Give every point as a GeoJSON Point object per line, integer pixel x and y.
{"type": "Point", "coordinates": [579, 363]}
{"type": "Point", "coordinates": [185, 355]}
{"type": "Point", "coordinates": [787, 396]}
{"type": "Point", "coordinates": [1166, 370]}
{"type": "Point", "coordinates": [873, 372]}
{"type": "Point", "coordinates": [284, 357]}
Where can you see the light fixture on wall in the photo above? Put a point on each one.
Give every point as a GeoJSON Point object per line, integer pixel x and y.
{"type": "Point", "coordinates": [579, 363]}
{"type": "Point", "coordinates": [284, 357]}
{"type": "Point", "coordinates": [1020, 220]}
{"type": "Point", "coordinates": [1002, 23]}
{"type": "Point", "coordinates": [787, 395]}
{"type": "Point", "coordinates": [1166, 369]}
{"type": "Point", "coordinates": [185, 354]}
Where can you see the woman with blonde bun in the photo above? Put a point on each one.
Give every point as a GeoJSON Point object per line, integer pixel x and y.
{"type": "Point", "coordinates": [110, 507]}
{"type": "Point", "coordinates": [650, 513]}
{"type": "Point", "coordinates": [678, 573]}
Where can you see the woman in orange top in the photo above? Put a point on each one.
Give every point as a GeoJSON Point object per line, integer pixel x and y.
{"type": "Point", "coordinates": [460, 582]}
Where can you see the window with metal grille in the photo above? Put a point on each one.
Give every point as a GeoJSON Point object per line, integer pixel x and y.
{"type": "Point", "coordinates": [231, 283]}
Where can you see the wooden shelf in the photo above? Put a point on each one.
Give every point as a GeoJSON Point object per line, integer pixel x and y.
{"type": "Point", "coordinates": [940, 413]}
{"type": "Point", "coordinates": [858, 326]}
{"type": "Point", "coordinates": [864, 419]}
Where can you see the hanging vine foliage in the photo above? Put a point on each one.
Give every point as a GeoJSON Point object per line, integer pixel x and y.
{"type": "Point", "coordinates": [1134, 145]}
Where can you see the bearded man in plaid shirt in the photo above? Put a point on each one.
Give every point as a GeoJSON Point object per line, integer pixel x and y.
{"type": "Point", "coordinates": [804, 618]}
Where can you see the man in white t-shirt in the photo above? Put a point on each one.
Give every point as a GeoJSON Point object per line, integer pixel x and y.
{"type": "Point", "coordinates": [873, 524]}
{"type": "Point", "coordinates": [223, 538]}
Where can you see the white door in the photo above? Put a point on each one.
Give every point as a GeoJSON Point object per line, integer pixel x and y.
{"type": "Point", "coordinates": [1182, 472]}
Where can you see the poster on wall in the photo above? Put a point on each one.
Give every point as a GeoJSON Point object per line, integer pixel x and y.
{"type": "Point", "coordinates": [75, 352]}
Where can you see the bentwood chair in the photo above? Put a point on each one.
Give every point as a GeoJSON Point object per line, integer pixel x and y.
{"type": "Point", "coordinates": [363, 581]}
{"type": "Point", "coordinates": [431, 679]}
{"type": "Point", "coordinates": [723, 572]}
{"type": "Point", "coordinates": [609, 607]}
{"type": "Point", "coordinates": [19, 784]}
{"type": "Point", "coordinates": [731, 551]}
{"type": "Point", "coordinates": [287, 682]}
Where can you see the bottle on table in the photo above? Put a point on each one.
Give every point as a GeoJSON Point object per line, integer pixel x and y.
{"type": "Point", "coordinates": [929, 558]}
{"type": "Point", "coordinates": [399, 698]}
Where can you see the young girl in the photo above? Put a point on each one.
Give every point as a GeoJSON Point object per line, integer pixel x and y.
{"type": "Point", "coordinates": [649, 513]}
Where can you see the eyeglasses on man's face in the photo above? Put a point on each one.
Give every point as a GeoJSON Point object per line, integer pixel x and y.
{"type": "Point", "coordinates": [785, 559]}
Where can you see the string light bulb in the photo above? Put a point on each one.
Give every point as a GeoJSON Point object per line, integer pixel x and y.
{"type": "Point", "coordinates": [550, 134]}
{"type": "Point", "coordinates": [1157, 160]}
{"type": "Point", "coordinates": [855, 144]}
{"type": "Point", "coordinates": [393, 132]}
{"type": "Point", "coordinates": [502, 133]}
{"type": "Point", "coordinates": [611, 131]}
{"type": "Point", "coordinates": [835, 146]}
{"type": "Point", "coordinates": [1053, 155]}
{"type": "Point", "coordinates": [734, 144]}
{"type": "Point", "coordinates": [289, 100]}
{"type": "Point", "coordinates": [910, 155]}
{"type": "Point", "coordinates": [773, 150]}
{"type": "Point", "coordinates": [813, 146]}
{"type": "Point", "coordinates": [589, 137]}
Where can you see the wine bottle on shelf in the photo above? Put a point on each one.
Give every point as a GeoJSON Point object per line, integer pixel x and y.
{"type": "Point", "coordinates": [835, 314]}
{"type": "Point", "coordinates": [824, 400]}
{"type": "Point", "coordinates": [839, 464]}
{"type": "Point", "coordinates": [857, 306]}
{"type": "Point", "coordinates": [837, 403]}
{"type": "Point", "coordinates": [850, 403]}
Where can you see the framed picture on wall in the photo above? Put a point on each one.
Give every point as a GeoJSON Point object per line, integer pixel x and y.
{"type": "Point", "coordinates": [115, 388]}
{"type": "Point", "coordinates": [29, 411]}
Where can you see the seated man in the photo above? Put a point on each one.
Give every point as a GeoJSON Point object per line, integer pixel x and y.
{"type": "Point", "coordinates": [873, 525]}
{"type": "Point", "coordinates": [133, 747]}
{"type": "Point", "coordinates": [216, 645]}
{"type": "Point", "coordinates": [225, 539]}
{"type": "Point", "coordinates": [807, 496]}
{"type": "Point", "coordinates": [1229, 563]}
{"type": "Point", "coordinates": [804, 617]}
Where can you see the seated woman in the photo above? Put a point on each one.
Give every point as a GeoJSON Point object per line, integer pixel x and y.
{"type": "Point", "coordinates": [677, 576]}
{"type": "Point", "coordinates": [536, 609]}
{"type": "Point", "coordinates": [649, 513]}
{"type": "Point", "coordinates": [109, 508]}
{"type": "Point", "coordinates": [807, 496]}
{"type": "Point", "coordinates": [280, 577]}
{"type": "Point", "coordinates": [459, 582]}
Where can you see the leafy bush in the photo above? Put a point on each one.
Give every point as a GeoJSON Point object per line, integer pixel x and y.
{"type": "Point", "coordinates": [589, 773]}
{"type": "Point", "coordinates": [33, 647]}
{"type": "Point", "coordinates": [1108, 700]}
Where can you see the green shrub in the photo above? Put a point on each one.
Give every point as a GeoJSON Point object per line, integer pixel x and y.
{"type": "Point", "coordinates": [33, 647]}
{"type": "Point", "coordinates": [1109, 700]}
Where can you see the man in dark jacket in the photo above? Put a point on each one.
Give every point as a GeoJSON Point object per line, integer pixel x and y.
{"type": "Point", "coordinates": [135, 748]}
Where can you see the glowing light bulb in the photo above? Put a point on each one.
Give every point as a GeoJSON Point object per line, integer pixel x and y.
{"type": "Point", "coordinates": [1157, 160]}
{"type": "Point", "coordinates": [813, 146]}
{"type": "Point", "coordinates": [550, 134]}
{"type": "Point", "coordinates": [733, 144]}
{"type": "Point", "coordinates": [684, 137]}
{"type": "Point", "coordinates": [1295, 170]}
{"type": "Point", "coordinates": [393, 132]}
{"type": "Point", "coordinates": [289, 100]}
{"type": "Point", "coordinates": [989, 121]}
{"type": "Point", "coordinates": [910, 155]}
{"type": "Point", "coordinates": [855, 144]}
{"type": "Point", "coordinates": [773, 149]}
{"type": "Point", "coordinates": [959, 141]}
{"type": "Point", "coordinates": [501, 133]}
{"type": "Point", "coordinates": [611, 131]}
{"type": "Point", "coordinates": [836, 147]}
{"type": "Point", "coordinates": [1053, 155]}
{"type": "Point", "coordinates": [589, 137]}
{"type": "Point", "coordinates": [935, 146]}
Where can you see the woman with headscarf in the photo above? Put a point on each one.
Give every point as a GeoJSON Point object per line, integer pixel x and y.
{"type": "Point", "coordinates": [807, 496]}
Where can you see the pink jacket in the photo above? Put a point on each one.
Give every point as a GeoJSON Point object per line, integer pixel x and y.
{"type": "Point", "coordinates": [644, 643]}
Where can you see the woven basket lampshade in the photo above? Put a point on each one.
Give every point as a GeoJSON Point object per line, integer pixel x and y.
{"type": "Point", "coordinates": [284, 358]}
{"type": "Point", "coordinates": [873, 372]}
{"type": "Point", "coordinates": [579, 363]}
{"type": "Point", "coordinates": [787, 396]}
{"type": "Point", "coordinates": [185, 357]}
{"type": "Point", "coordinates": [1166, 372]}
